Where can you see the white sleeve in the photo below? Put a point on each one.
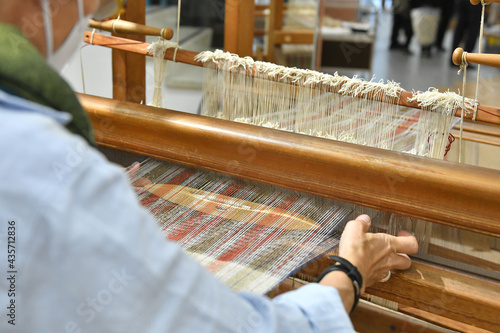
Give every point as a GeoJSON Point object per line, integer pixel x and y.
{"type": "Point", "coordinates": [91, 259]}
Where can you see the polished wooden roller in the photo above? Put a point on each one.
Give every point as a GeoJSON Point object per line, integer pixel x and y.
{"type": "Point", "coordinates": [126, 27]}
{"type": "Point", "coordinates": [476, 2]}
{"type": "Point", "coordinates": [487, 59]}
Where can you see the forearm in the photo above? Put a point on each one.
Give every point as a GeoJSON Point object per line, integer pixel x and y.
{"type": "Point", "coordinates": [340, 281]}
{"type": "Point", "coordinates": [320, 305]}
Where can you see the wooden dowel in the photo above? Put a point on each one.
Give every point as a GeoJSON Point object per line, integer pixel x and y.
{"type": "Point", "coordinates": [294, 36]}
{"type": "Point", "coordinates": [476, 2]}
{"type": "Point", "coordinates": [477, 137]}
{"type": "Point", "coordinates": [486, 59]}
{"type": "Point", "coordinates": [485, 114]}
{"type": "Point", "coordinates": [126, 27]}
{"type": "Point", "coordinates": [183, 56]}
{"type": "Point", "coordinates": [488, 130]}
{"type": "Point", "coordinates": [462, 196]}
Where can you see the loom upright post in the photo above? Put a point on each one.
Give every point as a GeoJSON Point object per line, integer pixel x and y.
{"type": "Point", "coordinates": [239, 27]}
{"type": "Point", "coordinates": [129, 70]}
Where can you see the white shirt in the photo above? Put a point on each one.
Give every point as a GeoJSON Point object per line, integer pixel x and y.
{"type": "Point", "coordinates": [89, 258]}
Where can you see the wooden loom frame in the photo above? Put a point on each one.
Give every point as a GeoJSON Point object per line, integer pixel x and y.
{"type": "Point", "coordinates": [380, 179]}
{"type": "Point", "coordinates": [276, 35]}
{"type": "Point", "coordinates": [393, 181]}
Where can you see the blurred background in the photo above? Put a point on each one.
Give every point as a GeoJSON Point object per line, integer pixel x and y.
{"type": "Point", "coordinates": [406, 41]}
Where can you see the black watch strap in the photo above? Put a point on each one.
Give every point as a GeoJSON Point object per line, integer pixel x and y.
{"type": "Point", "coordinates": [351, 271]}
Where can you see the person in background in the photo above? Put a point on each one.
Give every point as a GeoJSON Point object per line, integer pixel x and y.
{"type": "Point", "coordinates": [447, 10]}
{"type": "Point", "coordinates": [88, 257]}
{"type": "Point", "coordinates": [401, 21]}
{"type": "Point", "coordinates": [468, 26]}
{"type": "Point", "coordinates": [425, 16]}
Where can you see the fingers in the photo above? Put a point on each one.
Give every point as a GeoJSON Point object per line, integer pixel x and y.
{"type": "Point", "coordinates": [401, 261]}
{"type": "Point", "coordinates": [141, 182]}
{"type": "Point", "coordinates": [366, 220]}
{"type": "Point", "coordinates": [133, 169]}
{"type": "Point", "coordinates": [404, 233]}
{"type": "Point", "coordinates": [360, 225]}
{"type": "Point", "coordinates": [395, 261]}
{"type": "Point", "coordinates": [405, 243]}
{"type": "Point", "coordinates": [375, 254]}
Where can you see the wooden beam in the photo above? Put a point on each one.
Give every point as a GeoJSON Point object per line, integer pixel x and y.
{"type": "Point", "coordinates": [477, 132]}
{"type": "Point", "coordinates": [260, 32]}
{"type": "Point", "coordinates": [318, 42]}
{"type": "Point", "coordinates": [139, 48]}
{"type": "Point", "coordinates": [371, 318]}
{"type": "Point", "coordinates": [294, 36]}
{"type": "Point", "coordinates": [462, 196]}
{"type": "Point", "coordinates": [441, 321]}
{"type": "Point", "coordinates": [129, 69]}
{"type": "Point", "coordinates": [264, 7]}
{"type": "Point", "coordinates": [275, 23]}
{"type": "Point", "coordinates": [239, 27]}
{"type": "Point", "coordinates": [477, 137]}
{"type": "Point", "coordinates": [438, 291]}
{"type": "Point", "coordinates": [451, 295]}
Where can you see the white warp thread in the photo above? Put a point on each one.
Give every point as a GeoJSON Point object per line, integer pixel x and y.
{"type": "Point", "coordinates": [157, 50]}
{"type": "Point", "coordinates": [331, 106]}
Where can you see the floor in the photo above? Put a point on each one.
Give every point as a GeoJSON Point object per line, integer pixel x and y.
{"type": "Point", "coordinates": [413, 71]}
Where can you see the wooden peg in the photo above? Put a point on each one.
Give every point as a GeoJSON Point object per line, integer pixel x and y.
{"type": "Point", "coordinates": [476, 2]}
{"type": "Point", "coordinates": [126, 27]}
{"type": "Point", "coordinates": [487, 59]}
{"type": "Point", "coordinates": [457, 55]}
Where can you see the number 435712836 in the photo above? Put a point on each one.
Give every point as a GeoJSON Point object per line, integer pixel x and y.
{"type": "Point", "coordinates": [11, 244]}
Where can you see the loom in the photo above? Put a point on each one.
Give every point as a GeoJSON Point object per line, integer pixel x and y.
{"type": "Point", "coordinates": [394, 182]}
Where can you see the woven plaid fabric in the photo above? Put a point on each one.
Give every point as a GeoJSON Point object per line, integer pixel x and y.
{"type": "Point", "coordinates": [250, 236]}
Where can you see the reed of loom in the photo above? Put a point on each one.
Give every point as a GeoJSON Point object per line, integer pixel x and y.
{"type": "Point", "coordinates": [404, 288]}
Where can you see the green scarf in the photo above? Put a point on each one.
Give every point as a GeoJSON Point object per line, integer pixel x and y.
{"type": "Point", "coordinates": [25, 73]}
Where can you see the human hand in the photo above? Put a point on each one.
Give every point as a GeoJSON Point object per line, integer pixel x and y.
{"type": "Point", "coordinates": [137, 183]}
{"type": "Point", "coordinates": [375, 255]}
